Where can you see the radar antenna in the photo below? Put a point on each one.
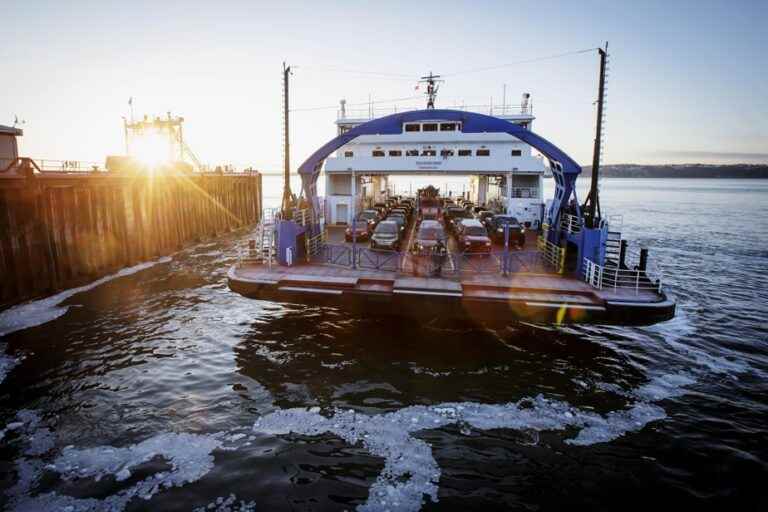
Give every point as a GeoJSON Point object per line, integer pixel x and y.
{"type": "Point", "coordinates": [432, 82]}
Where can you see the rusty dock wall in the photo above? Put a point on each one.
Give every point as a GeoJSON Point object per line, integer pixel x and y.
{"type": "Point", "coordinates": [60, 230]}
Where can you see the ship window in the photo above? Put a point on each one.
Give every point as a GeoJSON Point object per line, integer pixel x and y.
{"type": "Point", "coordinates": [429, 152]}
{"type": "Point", "coordinates": [447, 127]}
{"type": "Point", "coordinates": [413, 127]}
{"type": "Point", "coordinates": [446, 152]}
{"type": "Point", "coordinates": [517, 152]}
{"type": "Point", "coordinates": [412, 152]}
{"type": "Point", "coordinates": [348, 154]}
{"type": "Point", "coordinates": [377, 153]}
{"type": "Point", "coordinates": [395, 152]}
{"type": "Point", "coordinates": [483, 152]}
{"type": "Point", "coordinates": [429, 127]}
{"type": "Point", "coordinates": [465, 152]}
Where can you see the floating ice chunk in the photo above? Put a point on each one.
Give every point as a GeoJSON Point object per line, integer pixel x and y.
{"type": "Point", "coordinates": [229, 504]}
{"type": "Point", "coordinates": [6, 362]}
{"type": "Point", "coordinates": [616, 424]}
{"type": "Point", "coordinates": [189, 456]}
{"type": "Point", "coordinates": [662, 387]}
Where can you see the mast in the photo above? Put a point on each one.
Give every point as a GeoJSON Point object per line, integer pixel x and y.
{"type": "Point", "coordinates": [592, 204]}
{"type": "Point", "coordinates": [287, 196]}
{"type": "Point", "coordinates": [432, 87]}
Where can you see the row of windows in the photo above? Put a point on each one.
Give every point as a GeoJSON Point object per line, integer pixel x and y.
{"type": "Point", "coordinates": [430, 152]}
{"type": "Point", "coordinates": [432, 127]}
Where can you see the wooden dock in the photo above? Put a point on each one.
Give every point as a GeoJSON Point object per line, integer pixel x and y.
{"type": "Point", "coordinates": [64, 229]}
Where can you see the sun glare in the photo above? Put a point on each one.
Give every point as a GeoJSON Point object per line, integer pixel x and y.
{"type": "Point", "coordinates": [151, 149]}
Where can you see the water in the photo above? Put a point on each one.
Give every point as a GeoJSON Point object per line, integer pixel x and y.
{"type": "Point", "coordinates": [160, 389]}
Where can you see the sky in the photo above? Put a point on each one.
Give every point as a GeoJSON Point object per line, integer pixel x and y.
{"type": "Point", "coordinates": [688, 81]}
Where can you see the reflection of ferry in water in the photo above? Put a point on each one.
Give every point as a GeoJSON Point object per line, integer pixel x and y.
{"type": "Point", "coordinates": [559, 260]}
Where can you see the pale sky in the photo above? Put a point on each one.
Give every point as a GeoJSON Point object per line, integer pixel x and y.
{"type": "Point", "coordinates": [688, 80]}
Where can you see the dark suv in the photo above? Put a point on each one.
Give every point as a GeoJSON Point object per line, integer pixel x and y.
{"type": "Point", "coordinates": [473, 237]}
{"type": "Point", "coordinates": [454, 215]}
{"type": "Point", "coordinates": [429, 234]}
{"type": "Point", "coordinates": [386, 236]}
{"type": "Point", "coordinates": [496, 229]}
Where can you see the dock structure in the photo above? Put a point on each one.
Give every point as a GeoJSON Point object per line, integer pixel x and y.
{"type": "Point", "coordinates": [62, 229]}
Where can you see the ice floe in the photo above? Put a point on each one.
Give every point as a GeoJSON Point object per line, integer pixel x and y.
{"type": "Point", "coordinates": [410, 475]}
{"type": "Point", "coordinates": [410, 470]}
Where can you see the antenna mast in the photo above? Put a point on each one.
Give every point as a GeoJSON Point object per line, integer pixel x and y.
{"type": "Point", "coordinates": [432, 87]}
{"type": "Point", "coordinates": [287, 196]}
{"type": "Point", "coordinates": [592, 204]}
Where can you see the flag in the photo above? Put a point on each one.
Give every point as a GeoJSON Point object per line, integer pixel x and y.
{"type": "Point", "coordinates": [130, 100]}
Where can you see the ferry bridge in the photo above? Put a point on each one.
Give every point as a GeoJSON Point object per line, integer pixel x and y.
{"type": "Point", "coordinates": [564, 168]}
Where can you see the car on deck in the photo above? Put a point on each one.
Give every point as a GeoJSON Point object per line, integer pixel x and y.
{"type": "Point", "coordinates": [362, 233]}
{"type": "Point", "coordinates": [453, 215]}
{"type": "Point", "coordinates": [387, 235]}
{"type": "Point", "coordinates": [516, 229]}
{"type": "Point", "coordinates": [473, 237]}
{"type": "Point", "coordinates": [400, 218]}
{"type": "Point", "coordinates": [371, 216]}
{"type": "Point", "coordinates": [430, 232]}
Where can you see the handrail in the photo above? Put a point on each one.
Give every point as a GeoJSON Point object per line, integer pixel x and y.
{"type": "Point", "coordinates": [570, 223]}
{"type": "Point", "coordinates": [490, 109]}
{"type": "Point", "coordinates": [553, 255]}
{"type": "Point", "coordinates": [607, 277]}
{"type": "Point", "coordinates": [69, 165]}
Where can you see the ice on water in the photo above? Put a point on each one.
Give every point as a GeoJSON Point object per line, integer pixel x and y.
{"type": "Point", "coordinates": [410, 475]}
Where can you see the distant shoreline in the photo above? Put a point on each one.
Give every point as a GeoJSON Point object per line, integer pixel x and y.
{"type": "Point", "coordinates": [704, 171]}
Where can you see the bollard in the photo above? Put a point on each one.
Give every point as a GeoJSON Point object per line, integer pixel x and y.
{"type": "Point", "coordinates": [643, 259]}
{"type": "Point", "coordinates": [623, 254]}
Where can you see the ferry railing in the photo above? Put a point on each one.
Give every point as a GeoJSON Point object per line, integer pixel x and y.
{"type": "Point", "coordinates": [334, 254]}
{"type": "Point", "coordinates": [553, 255]}
{"type": "Point", "coordinates": [570, 223]}
{"type": "Point", "coordinates": [68, 165]}
{"type": "Point", "coordinates": [615, 278]}
{"type": "Point", "coordinates": [377, 259]}
{"type": "Point", "coordinates": [479, 263]}
{"type": "Point", "coordinates": [524, 261]}
{"type": "Point", "coordinates": [525, 192]}
{"type": "Point", "coordinates": [489, 109]}
{"type": "Point", "coordinates": [314, 245]}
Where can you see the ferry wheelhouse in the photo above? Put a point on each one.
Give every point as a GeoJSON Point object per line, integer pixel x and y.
{"type": "Point", "coordinates": [504, 174]}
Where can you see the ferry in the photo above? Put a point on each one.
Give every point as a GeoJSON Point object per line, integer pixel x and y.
{"type": "Point", "coordinates": [505, 252]}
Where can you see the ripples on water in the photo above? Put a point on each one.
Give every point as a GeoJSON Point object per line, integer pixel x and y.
{"type": "Point", "coordinates": [297, 407]}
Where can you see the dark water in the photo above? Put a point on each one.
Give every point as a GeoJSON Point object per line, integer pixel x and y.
{"type": "Point", "coordinates": [165, 377]}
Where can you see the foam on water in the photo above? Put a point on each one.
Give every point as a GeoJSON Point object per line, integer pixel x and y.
{"type": "Point", "coordinates": [410, 470]}
{"type": "Point", "coordinates": [38, 312]}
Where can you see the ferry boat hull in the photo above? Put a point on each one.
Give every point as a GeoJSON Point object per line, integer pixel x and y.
{"type": "Point", "coordinates": [526, 297]}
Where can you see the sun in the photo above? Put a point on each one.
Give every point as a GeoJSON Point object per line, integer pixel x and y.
{"type": "Point", "coordinates": [151, 149]}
